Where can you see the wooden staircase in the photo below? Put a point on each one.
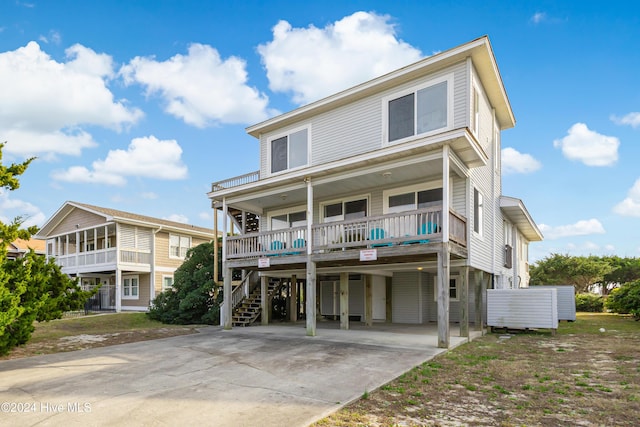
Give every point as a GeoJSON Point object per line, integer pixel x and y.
{"type": "Point", "coordinates": [250, 307]}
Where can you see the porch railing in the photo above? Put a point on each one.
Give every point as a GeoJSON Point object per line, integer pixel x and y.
{"type": "Point", "coordinates": [236, 181]}
{"type": "Point", "coordinates": [102, 256]}
{"type": "Point", "coordinates": [412, 227]}
{"type": "Point", "coordinates": [135, 257]}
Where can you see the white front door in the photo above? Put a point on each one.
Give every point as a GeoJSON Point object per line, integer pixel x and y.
{"type": "Point", "coordinates": [379, 296]}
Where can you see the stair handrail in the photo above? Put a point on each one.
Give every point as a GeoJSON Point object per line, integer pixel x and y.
{"type": "Point", "coordinates": [241, 291]}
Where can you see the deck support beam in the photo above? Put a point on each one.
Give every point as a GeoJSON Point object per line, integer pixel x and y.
{"type": "Point", "coordinates": [478, 284]}
{"type": "Point", "coordinates": [443, 296]}
{"type": "Point", "coordinates": [464, 301]}
{"type": "Point", "coordinates": [368, 300]}
{"type": "Point", "coordinates": [344, 301]}
{"type": "Point", "coordinates": [310, 297]}
{"type": "Point", "coordinates": [264, 301]}
{"type": "Point", "coordinates": [293, 298]}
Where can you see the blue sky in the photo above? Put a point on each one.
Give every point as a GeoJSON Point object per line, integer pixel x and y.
{"type": "Point", "coordinates": [140, 105]}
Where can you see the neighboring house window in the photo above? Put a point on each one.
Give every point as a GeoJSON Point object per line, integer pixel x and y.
{"type": "Point", "coordinates": [478, 211]}
{"type": "Point", "coordinates": [130, 287]}
{"type": "Point", "coordinates": [178, 245]}
{"type": "Point", "coordinates": [290, 151]}
{"type": "Point", "coordinates": [419, 112]}
{"type": "Point", "coordinates": [167, 282]}
{"type": "Point", "coordinates": [453, 288]}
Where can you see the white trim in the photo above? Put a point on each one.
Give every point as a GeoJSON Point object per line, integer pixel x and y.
{"type": "Point", "coordinates": [414, 89]}
{"type": "Point", "coordinates": [481, 213]}
{"type": "Point", "coordinates": [286, 211]}
{"type": "Point", "coordinates": [165, 276]}
{"type": "Point", "coordinates": [165, 269]}
{"type": "Point", "coordinates": [180, 236]}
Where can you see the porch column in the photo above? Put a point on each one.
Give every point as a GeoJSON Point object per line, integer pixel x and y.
{"type": "Point", "coordinates": [311, 297]}
{"type": "Point", "coordinates": [368, 300]}
{"type": "Point", "coordinates": [445, 194]}
{"type": "Point", "coordinates": [443, 296]}
{"type": "Point", "coordinates": [226, 303]}
{"type": "Point", "coordinates": [344, 301]}
{"type": "Point", "coordinates": [293, 292]}
{"type": "Point", "coordinates": [477, 286]}
{"type": "Point", "coordinates": [264, 300]}
{"type": "Point", "coordinates": [464, 301]}
{"type": "Point", "coordinates": [216, 245]}
{"type": "Point", "coordinates": [118, 290]}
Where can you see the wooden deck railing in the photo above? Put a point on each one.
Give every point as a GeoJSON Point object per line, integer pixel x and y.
{"type": "Point", "coordinates": [236, 181]}
{"type": "Point", "coordinates": [418, 226]}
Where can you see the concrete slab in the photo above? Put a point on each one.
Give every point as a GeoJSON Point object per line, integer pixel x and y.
{"type": "Point", "coordinates": [263, 375]}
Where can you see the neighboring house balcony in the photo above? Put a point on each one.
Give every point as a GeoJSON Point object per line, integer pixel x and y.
{"type": "Point", "coordinates": [95, 250]}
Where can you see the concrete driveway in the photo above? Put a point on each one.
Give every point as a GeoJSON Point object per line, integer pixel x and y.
{"type": "Point", "coordinates": [263, 375]}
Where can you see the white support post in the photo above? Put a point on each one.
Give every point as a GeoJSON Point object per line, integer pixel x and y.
{"type": "Point", "coordinates": [264, 301]}
{"type": "Point", "coordinates": [310, 294]}
{"type": "Point", "coordinates": [118, 290]}
{"type": "Point", "coordinates": [445, 193]}
{"type": "Point", "coordinates": [226, 308]}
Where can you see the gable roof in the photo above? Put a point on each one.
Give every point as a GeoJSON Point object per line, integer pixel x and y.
{"type": "Point", "coordinates": [480, 52]}
{"type": "Point", "coordinates": [22, 246]}
{"type": "Point", "coordinates": [114, 215]}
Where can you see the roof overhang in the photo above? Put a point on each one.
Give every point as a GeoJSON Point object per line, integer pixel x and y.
{"type": "Point", "coordinates": [517, 213]}
{"type": "Point", "coordinates": [480, 52]}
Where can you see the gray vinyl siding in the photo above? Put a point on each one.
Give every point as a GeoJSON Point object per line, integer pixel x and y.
{"type": "Point", "coordinates": [356, 298]}
{"type": "Point", "coordinates": [459, 195]}
{"type": "Point", "coordinates": [357, 128]}
{"type": "Point", "coordinates": [431, 306]}
{"type": "Point", "coordinates": [405, 300]}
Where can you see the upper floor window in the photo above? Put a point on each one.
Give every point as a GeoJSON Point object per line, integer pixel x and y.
{"type": "Point", "coordinates": [422, 111]}
{"type": "Point", "coordinates": [346, 210]}
{"type": "Point", "coordinates": [178, 245]}
{"type": "Point", "coordinates": [289, 220]}
{"type": "Point", "coordinates": [289, 151]}
{"type": "Point", "coordinates": [478, 211]}
{"type": "Point", "coordinates": [401, 201]}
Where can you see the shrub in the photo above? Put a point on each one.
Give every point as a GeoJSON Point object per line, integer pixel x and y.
{"type": "Point", "coordinates": [590, 303]}
{"type": "Point", "coordinates": [193, 298]}
{"type": "Point", "coordinates": [625, 299]}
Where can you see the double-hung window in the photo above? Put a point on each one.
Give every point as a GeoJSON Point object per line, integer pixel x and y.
{"type": "Point", "coordinates": [289, 151]}
{"type": "Point", "coordinates": [344, 211]}
{"type": "Point", "coordinates": [167, 282]}
{"type": "Point", "coordinates": [453, 288]}
{"type": "Point", "coordinates": [289, 220]}
{"type": "Point", "coordinates": [130, 287]}
{"type": "Point", "coordinates": [178, 245]}
{"type": "Point", "coordinates": [419, 112]}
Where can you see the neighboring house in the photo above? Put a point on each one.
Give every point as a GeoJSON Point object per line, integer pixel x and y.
{"type": "Point", "coordinates": [19, 248]}
{"type": "Point", "coordinates": [383, 202]}
{"type": "Point", "coordinates": [133, 257]}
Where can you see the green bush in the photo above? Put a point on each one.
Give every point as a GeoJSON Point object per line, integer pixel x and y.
{"type": "Point", "coordinates": [590, 303]}
{"type": "Point", "coordinates": [194, 298]}
{"type": "Point", "coordinates": [625, 299]}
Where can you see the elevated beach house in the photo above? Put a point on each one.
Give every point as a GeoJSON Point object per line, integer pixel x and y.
{"type": "Point", "coordinates": [133, 257]}
{"type": "Point", "coordinates": [381, 203]}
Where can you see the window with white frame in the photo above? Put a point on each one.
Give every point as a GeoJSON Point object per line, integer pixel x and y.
{"type": "Point", "coordinates": [422, 111]}
{"type": "Point", "coordinates": [167, 282]}
{"type": "Point", "coordinates": [453, 288]}
{"type": "Point", "coordinates": [289, 151]}
{"type": "Point", "coordinates": [411, 198]}
{"type": "Point", "coordinates": [289, 220]}
{"type": "Point", "coordinates": [478, 211]}
{"type": "Point", "coordinates": [178, 245]}
{"type": "Point", "coordinates": [130, 287]}
{"type": "Point", "coordinates": [345, 210]}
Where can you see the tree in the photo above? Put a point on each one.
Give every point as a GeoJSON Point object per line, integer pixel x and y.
{"type": "Point", "coordinates": [624, 270]}
{"type": "Point", "coordinates": [195, 297]}
{"type": "Point", "coordinates": [30, 288]}
{"type": "Point", "coordinates": [625, 299]}
{"type": "Point", "coordinates": [581, 272]}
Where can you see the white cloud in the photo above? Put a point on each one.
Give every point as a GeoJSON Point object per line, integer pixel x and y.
{"type": "Point", "coordinates": [538, 17]}
{"type": "Point", "coordinates": [145, 157]}
{"type": "Point", "coordinates": [515, 162]}
{"type": "Point", "coordinates": [200, 88]}
{"type": "Point", "coordinates": [177, 218]}
{"type": "Point", "coordinates": [150, 195]}
{"type": "Point", "coordinates": [53, 37]}
{"type": "Point", "coordinates": [45, 103]}
{"type": "Point", "coordinates": [315, 62]}
{"type": "Point", "coordinates": [631, 119]}
{"type": "Point", "coordinates": [13, 208]}
{"type": "Point", "coordinates": [589, 147]}
{"type": "Point", "coordinates": [630, 206]}
{"type": "Point", "coordinates": [580, 228]}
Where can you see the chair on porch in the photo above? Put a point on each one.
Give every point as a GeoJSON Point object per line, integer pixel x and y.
{"type": "Point", "coordinates": [297, 244]}
{"type": "Point", "coordinates": [276, 245]}
{"type": "Point", "coordinates": [426, 228]}
{"type": "Point", "coordinates": [378, 234]}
